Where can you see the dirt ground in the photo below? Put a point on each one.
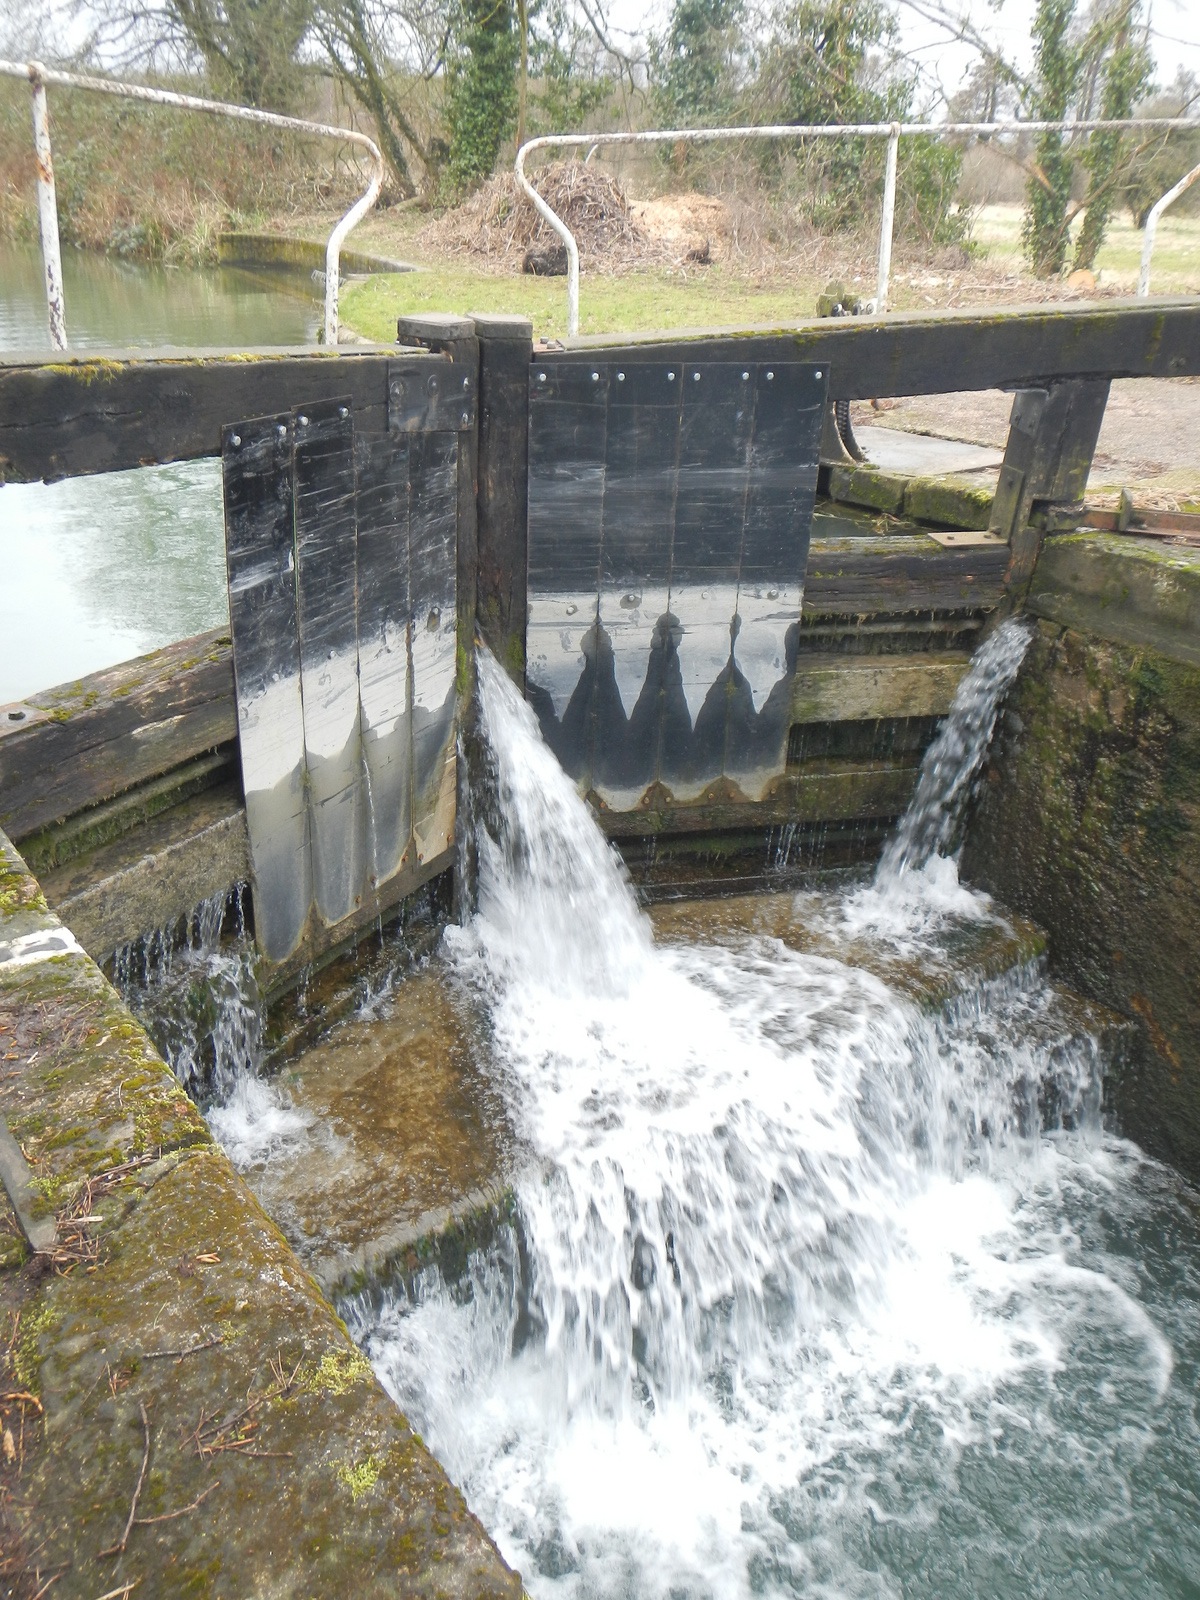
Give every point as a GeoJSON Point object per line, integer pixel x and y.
{"type": "Point", "coordinates": [1149, 443]}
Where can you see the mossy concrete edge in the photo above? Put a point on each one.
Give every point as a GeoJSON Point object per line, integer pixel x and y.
{"type": "Point", "coordinates": [177, 1329]}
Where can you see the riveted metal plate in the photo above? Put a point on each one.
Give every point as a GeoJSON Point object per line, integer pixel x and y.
{"type": "Point", "coordinates": [434, 396]}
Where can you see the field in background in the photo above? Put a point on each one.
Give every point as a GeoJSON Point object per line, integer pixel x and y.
{"type": "Point", "coordinates": [730, 292]}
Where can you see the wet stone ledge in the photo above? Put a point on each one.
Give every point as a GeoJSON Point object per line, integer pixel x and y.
{"type": "Point", "coordinates": [195, 1418]}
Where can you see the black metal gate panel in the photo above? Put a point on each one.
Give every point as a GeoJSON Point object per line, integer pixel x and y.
{"type": "Point", "coordinates": [342, 561]}
{"type": "Point", "coordinates": [669, 514]}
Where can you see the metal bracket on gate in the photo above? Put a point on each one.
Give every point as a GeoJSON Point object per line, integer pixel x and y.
{"type": "Point", "coordinates": [431, 398]}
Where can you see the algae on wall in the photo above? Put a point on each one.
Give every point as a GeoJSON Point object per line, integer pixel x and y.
{"type": "Point", "coordinates": [1088, 821]}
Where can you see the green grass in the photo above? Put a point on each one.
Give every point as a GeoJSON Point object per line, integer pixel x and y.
{"type": "Point", "coordinates": [715, 296]}
{"type": "Point", "coordinates": [636, 303]}
{"type": "Point", "coordinates": [1176, 263]}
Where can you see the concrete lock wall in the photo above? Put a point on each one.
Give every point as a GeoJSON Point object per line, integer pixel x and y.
{"type": "Point", "coordinates": [196, 1418]}
{"type": "Point", "coordinates": [1088, 819]}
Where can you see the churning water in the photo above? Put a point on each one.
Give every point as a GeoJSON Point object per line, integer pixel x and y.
{"type": "Point", "coordinates": [825, 1279]}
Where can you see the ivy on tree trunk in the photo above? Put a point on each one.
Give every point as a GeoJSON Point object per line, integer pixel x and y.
{"type": "Point", "coordinates": [1048, 194]}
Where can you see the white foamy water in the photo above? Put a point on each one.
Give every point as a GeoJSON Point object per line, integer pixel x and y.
{"type": "Point", "coordinates": [812, 1290]}
{"type": "Point", "coordinates": [197, 995]}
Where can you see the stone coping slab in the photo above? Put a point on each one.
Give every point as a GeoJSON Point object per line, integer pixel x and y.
{"type": "Point", "coordinates": [1136, 591]}
{"type": "Point", "coordinates": [175, 1342]}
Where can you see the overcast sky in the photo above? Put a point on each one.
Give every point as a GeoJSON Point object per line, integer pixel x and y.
{"type": "Point", "coordinates": [1175, 32]}
{"type": "Point", "coordinates": [1175, 35]}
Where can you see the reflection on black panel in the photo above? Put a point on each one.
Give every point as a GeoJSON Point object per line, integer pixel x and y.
{"type": "Point", "coordinates": [342, 556]}
{"type": "Point", "coordinates": [687, 489]}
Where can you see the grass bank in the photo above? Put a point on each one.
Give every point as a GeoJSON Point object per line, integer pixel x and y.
{"type": "Point", "coordinates": [732, 292]}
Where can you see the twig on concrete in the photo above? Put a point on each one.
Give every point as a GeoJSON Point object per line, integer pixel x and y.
{"type": "Point", "coordinates": [237, 1431]}
{"type": "Point", "coordinates": [169, 1516]}
{"type": "Point", "coordinates": [122, 1592]}
{"type": "Point", "coordinates": [119, 1548]}
{"type": "Point", "coordinates": [178, 1355]}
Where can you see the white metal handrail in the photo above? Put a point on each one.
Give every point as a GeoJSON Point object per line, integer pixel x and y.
{"type": "Point", "coordinates": [891, 131]}
{"type": "Point", "coordinates": [1156, 211]}
{"type": "Point", "coordinates": [39, 76]}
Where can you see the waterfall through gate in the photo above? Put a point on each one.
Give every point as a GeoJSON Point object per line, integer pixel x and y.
{"type": "Point", "coordinates": [794, 1275]}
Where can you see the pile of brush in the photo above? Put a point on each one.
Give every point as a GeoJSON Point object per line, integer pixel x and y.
{"type": "Point", "coordinates": [499, 222]}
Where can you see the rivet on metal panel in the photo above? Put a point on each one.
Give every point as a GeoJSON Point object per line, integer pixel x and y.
{"type": "Point", "coordinates": [595, 377]}
{"type": "Point", "coordinates": [745, 377]}
{"type": "Point", "coordinates": [541, 377]}
{"type": "Point", "coordinates": [302, 422]}
{"type": "Point", "coordinates": [235, 439]}
{"type": "Point", "coordinates": [343, 412]}
{"type": "Point", "coordinates": [281, 429]}
{"type": "Point", "coordinates": [620, 377]}
{"type": "Point", "coordinates": [670, 377]}
{"type": "Point", "coordinates": [695, 377]}
{"type": "Point", "coordinates": [770, 377]}
{"type": "Point", "coordinates": [817, 373]}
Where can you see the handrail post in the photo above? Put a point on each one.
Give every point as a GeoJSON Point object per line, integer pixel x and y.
{"type": "Point", "coordinates": [333, 250]}
{"type": "Point", "coordinates": [559, 226]}
{"type": "Point", "coordinates": [887, 221]}
{"type": "Point", "coordinates": [39, 76]}
{"type": "Point", "coordinates": [1156, 211]}
{"type": "Point", "coordinates": [56, 310]}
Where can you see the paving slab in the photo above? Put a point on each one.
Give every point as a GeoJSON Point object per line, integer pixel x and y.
{"type": "Point", "coordinates": [892, 450]}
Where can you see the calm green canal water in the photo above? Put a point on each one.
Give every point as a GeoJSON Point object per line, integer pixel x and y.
{"type": "Point", "coordinates": [97, 570]}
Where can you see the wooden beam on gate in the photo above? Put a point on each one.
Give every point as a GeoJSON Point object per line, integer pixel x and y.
{"type": "Point", "coordinates": [101, 411]}
{"type": "Point", "coordinates": [1052, 438]}
{"type": "Point", "coordinates": [946, 351]}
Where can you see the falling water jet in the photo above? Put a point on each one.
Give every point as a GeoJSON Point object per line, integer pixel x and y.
{"type": "Point", "coordinates": [934, 814]}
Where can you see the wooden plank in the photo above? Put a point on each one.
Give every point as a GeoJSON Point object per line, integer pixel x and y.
{"type": "Point", "coordinates": [944, 352]}
{"type": "Point", "coordinates": [845, 688]}
{"type": "Point", "coordinates": [856, 577]}
{"type": "Point", "coordinates": [864, 789]}
{"type": "Point", "coordinates": [148, 878]}
{"type": "Point", "coordinates": [84, 742]}
{"type": "Point", "coordinates": [105, 412]}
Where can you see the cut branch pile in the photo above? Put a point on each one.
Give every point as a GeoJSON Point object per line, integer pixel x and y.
{"type": "Point", "coordinates": [500, 222]}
